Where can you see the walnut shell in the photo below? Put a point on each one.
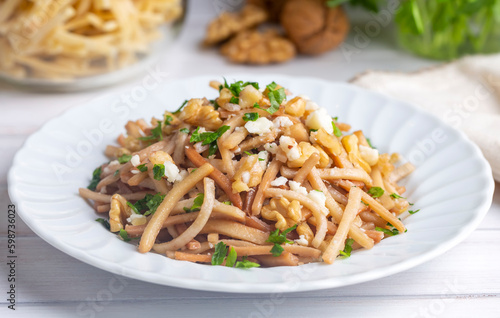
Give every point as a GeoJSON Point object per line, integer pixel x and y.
{"type": "Point", "coordinates": [313, 27]}
{"type": "Point", "coordinates": [273, 7]}
{"type": "Point", "coordinates": [254, 47]}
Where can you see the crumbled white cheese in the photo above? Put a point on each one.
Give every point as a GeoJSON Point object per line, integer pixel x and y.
{"type": "Point", "coordinates": [290, 147]}
{"type": "Point", "coordinates": [304, 97]}
{"type": "Point", "coordinates": [369, 155]}
{"type": "Point", "coordinates": [302, 241]}
{"type": "Point", "coordinates": [171, 171]}
{"type": "Point", "coordinates": [263, 158]}
{"type": "Point", "coordinates": [279, 181]}
{"type": "Point", "coordinates": [320, 119]}
{"type": "Point", "coordinates": [239, 128]}
{"type": "Point", "coordinates": [114, 163]}
{"type": "Point", "coordinates": [318, 197]}
{"type": "Point", "coordinates": [136, 219]}
{"type": "Point", "coordinates": [182, 174]}
{"type": "Point", "coordinates": [261, 126]}
{"type": "Point", "coordinates": [296, 187]}
{"type": "Point", "coordinates": [311, 106]}
{"type": "Point", "coordinates": [271, 147]}
{"type": "Point", "coordinates": [282, 121]}
{"type": "Point", "coordinates": [210, 245]}
{"type": "Point", "coordinates": [135, 171]}
{"type": "Point", "coordinates": [245, 177]}
{"type": "Point", "coordinates": [199, 147]}
{"type": "Point", "coordinates": [135, 160]}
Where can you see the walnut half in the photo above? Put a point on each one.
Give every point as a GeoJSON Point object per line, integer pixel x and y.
{"type": "Point", "coordinates": [254, 47]}
{"type": "Point", "coordinates": [228, 24]}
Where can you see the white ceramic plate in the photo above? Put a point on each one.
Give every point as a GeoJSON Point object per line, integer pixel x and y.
{"type": "Point", "coordinates": [452, 186]}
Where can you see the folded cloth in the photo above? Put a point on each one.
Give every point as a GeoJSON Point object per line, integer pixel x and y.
{"type": "Point", "coordinates": [464, 93]}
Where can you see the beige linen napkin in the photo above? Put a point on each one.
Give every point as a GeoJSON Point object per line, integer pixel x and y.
{"type": "Point", "coordinates": [464, 93]}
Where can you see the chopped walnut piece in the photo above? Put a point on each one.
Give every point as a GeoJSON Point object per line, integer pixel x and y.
{"type": "Point", "coordinates": [228, 24]}
{"type": "Point", "coordinates": [253, 47]}
{"type": "Point", "coordinates": [198, 115]}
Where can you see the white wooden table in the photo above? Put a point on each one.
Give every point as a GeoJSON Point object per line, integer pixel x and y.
{"type": "Point", "coordinates": [464, 282]}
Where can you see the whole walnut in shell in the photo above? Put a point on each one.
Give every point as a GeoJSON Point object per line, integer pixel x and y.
{"type": "Point", "coordinates": [273, 7]}
{"type": "Point", "coordinates": [312, 26]}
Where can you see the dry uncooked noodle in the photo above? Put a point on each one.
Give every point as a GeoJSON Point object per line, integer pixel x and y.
{"type": "Point", "coordinates": [250, 178]}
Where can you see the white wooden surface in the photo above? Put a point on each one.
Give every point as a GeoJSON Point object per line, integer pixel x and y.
{"type": "Point", "coordinates": [464, 282]}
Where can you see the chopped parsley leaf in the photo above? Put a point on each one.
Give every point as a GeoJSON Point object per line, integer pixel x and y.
{"type": "Point", "coordinates": [387, 232]}
{"type": "Point", "coordinates": [231, 257]}
{"type": "Point", "coordinates": [96, 177]}
{"type": "Point", "coordinates": [227, 203]}
{"type": "Point", "coordinates": [413, 212]}
{"type": "Point", "coordinates": [148, 204]}
{"type": "Point", "coordinates": [278, 239]}
{"type": "Point", "coordinates": [116, 173]}
{"type": "Point", "coordinates": [336, 130]}
{"type": "Point", "coordinates": [370, 143]}
{"type": "Point", "coordinates": [156, 134]}
{"type": "Point", "coordinates": [312, 130]}
{"type": "Point", "coordinates": [124, 235]}
{"type": "Point", "coordinates": [104, 223]}
{"type": "Point", "coordinates": [158, 171]}
{"type": "Point", "coordinates": [376, 192]}
{"type": "Point", "coordinates": [168, 120]}
{"type": "Point", "coordinates": [124, 158]}
{"type": "Point", "coordinates": [198, 201]}
{"type": "Point", "coordinates": [244, 263]}
{"type": "Point", "coordinates": [209, 138]}
{"type": "Point", "coordinates": [184, 130]}
{"type": "Point", "coordinates": [262, 159]}
{"type": "Point", "coordinates": [142, 168]}
{"type": "Point", "coordinates": [396, 196]}
{"type": "Point", "coordinates": [237, 87]}
{"type": "Point", "coordinates": [234, 100]}
{"type": "Point", "coordinates": [250, 116]}
{"type": "Point", "coordinates": [133, 208]}
{"type": "Point", "coordinates": [248, 153]}
{"type": "Point", "coordinates": [276, 97]}
{"type": "Point", "coordinates": [348, 248]}
{"type": "Point", "coordinates": [219, 254]}
{"type": "Point", "coordinates": [181, 107]}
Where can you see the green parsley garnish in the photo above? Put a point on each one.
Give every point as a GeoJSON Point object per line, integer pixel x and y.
{"type": "Point", "coordinates": [221, 250]}
{"type": "Point", "coordinates": [124, 158]}
{"type": "Point", "coordinates": [209, 138]}
{"type": "Point", "coordinates": [313, 130]}
{"type": "Point", "coordinates": [231, 257]}
{"type": "Point", "coordinates": [348, 248]}
{"type": "Point", "coordinates": [148, 204]}
{"type": "Point", "coordinates": [198, 201]}
{"type": "Point", "coordinates": [244, 263]}
{"type": "Point", "coordinates": [181, 107]}
{"type": "Point", "coordinates": [124, 235]}
{"type": "Point", "coordinates": [276, 97]}
{"type": "Point", "coordinates": [168, 120]}
{"type": "Point", "coordinates": [237, 87]}
{"type": "Point", "coordinates": [219, 254]}
{"type": "Point", "coordinates": [234, 100]}
{"type": "Point", "coordinates": [184, 130]}
{"type": "Point", "coordinates": [142, 168]}
{"type": "Point", "coordinates": [116, 173]}
{"type": "Point", "coordinates": [248, 153]}
{"type": "Point", "coordinates": [156, 134]}
{"type": "Point", "coordinates": [262, 159]}
{"type": "Point", "coordinates": [376, 192]}
{"type": "Point", "coordinates": [336, 130]}
{"type": "Point", "coordinates": [278, 239]}
{"type": "Point", "coordinates": [396, 196]}
{"type": "Point", "coordinates": [370, 143]}
{"type": "Point", "coordinates": [104, 223]}
{"type": "Point", "coordinates": [413, 212]}
{"type": "Point", "coordinates": [250, 116]}
{"type": "Point", "coordinates": [227, 203]}
{"type": "Point", "coordinates": [159, 171]}
{"type": "Point", "coordinates": [96, 177]}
